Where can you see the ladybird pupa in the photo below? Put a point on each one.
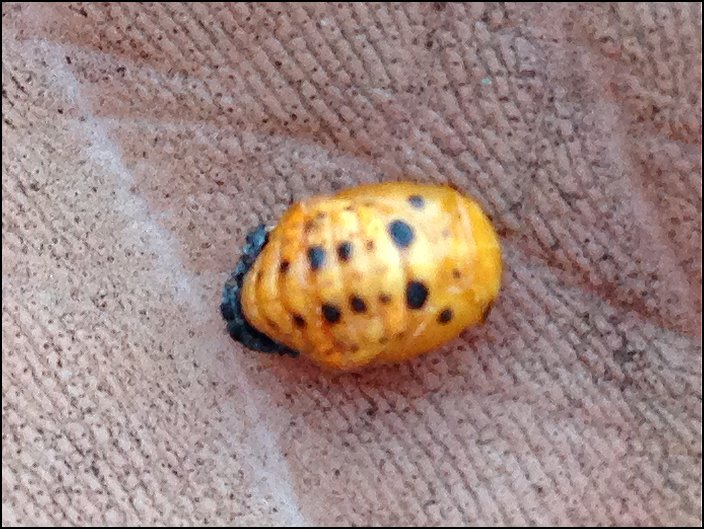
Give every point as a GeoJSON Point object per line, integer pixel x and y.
{"type": "Point", "coordinates": [374, 274]}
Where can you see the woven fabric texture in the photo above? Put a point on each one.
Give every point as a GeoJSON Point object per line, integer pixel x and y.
{"type": "Point", "coordinates": [142, 141]}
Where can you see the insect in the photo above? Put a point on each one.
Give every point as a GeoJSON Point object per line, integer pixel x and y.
{"type": "Point", "coordinates": [374, 274]}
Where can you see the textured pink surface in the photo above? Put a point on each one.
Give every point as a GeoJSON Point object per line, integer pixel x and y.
{"type": "Point", "coordinates": [141, 142]}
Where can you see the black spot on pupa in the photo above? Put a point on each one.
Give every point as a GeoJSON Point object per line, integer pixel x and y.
{"type": "Point", "coordinates": [384, 299]}
{"type": "Point", "coordinates": [456, 273]}
{"type": "Point", "coordinates": [357, 304]}
{"type": "Point", "coordinates": [344, 251]}
{"type": "Point", "coordinates": [320, 215]}
{"type": "Point", "coordinates": [445, 316]}
{"type": "Point", "coordinates": [416, 294]}
{"type": "Point", "coordinates": [331, 313]}
{"type": "Point", "coordinates": [309, 225]}
{"type": "Point", "coordinates": [416, 201]}
{"type": "Point", "coordinates": [370, 245]}
{"type": "Point", "coordinates": [383, 340]}
{"type": "Point", "coordinates": [401, 233]}
{"type": "Point", "coordinates": [298, 321]}
{"type": "Point", "coordinates": [316, 257]}
{"type": "Point", "coordinates": [283, 267]}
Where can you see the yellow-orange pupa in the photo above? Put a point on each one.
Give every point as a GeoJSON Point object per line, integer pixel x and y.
{"type": "Point", "coordinates": [374, 274]}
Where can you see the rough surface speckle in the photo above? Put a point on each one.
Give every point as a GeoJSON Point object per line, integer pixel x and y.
{"type": "Point", "coordinates": [142, 142]}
